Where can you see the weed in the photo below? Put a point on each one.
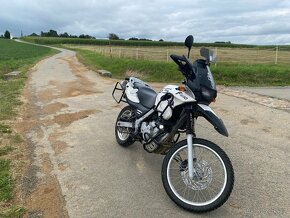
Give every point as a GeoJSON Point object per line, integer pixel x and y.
{"type": "Point", "coordinates": [13, 212]}
{"type": "Point", "coordinates": [5, 150]}
{"type": "Point", "coordinates": [5, 128]}
{"type": "Point", "coordinates": [5, 180]}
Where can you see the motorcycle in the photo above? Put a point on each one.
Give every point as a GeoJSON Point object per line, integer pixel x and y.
{"type": "Point", "coordinates": [196, 173]}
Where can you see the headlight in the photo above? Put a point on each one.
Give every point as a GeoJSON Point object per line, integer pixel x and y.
{"type": "Point", "coordinates": [208, 94]}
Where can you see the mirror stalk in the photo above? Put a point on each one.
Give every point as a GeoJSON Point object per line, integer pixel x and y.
{"type": "Point", "coordinates": [188, 53]}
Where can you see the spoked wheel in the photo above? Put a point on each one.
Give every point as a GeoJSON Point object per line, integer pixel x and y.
{"type": "Point", "coordinates": [213, 178]}
{"type": "Point", "coordinates": [122, 134]}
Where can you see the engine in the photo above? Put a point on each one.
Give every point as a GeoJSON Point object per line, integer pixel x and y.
{"type": "Point", "coordinates": [153, 134]}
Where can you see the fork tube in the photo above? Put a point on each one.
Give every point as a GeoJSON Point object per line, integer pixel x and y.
{"type": "Point", "coordinates": [190, 155]}
{"type": "Point", "coordinates": [189, 136]}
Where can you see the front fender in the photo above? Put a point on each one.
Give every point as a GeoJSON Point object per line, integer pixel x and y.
{"type": "Point", "coordinates": [211, 117]}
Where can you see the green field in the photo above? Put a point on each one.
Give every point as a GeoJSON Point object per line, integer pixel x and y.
{"type": "Point", "coordinates": [19, 56]}
{"type": "Point", "coordinates": [14, 56]}
{"type": "Point", "coordinates": [147, 70]}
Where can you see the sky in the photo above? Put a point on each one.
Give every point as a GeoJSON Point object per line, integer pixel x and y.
{"type": "Point", "coordinates": [238, 21]}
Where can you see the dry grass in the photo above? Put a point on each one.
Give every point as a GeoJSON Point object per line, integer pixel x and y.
{"type": "Point", "coordinates": [225, 55]}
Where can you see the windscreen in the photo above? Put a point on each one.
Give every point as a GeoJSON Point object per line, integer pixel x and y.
{"type": "Point", "coordinates": [203, 86]}
{"type": "Point", "coordinates": [208, 54]}
{"type": "Point", "coordinates": [204, 74]}
{"type": "Point", "coordinates": [210, 81]}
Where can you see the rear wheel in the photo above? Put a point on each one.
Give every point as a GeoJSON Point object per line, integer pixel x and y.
{"type": "Point", "coordinates": [122, 134]}
{"type": "Point", "coordinates": [213, 178]}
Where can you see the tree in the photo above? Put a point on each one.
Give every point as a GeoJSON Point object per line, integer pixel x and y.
{"type": "Point", "coordinates": [133, 38]}
{"type": "Point", "coordinates": [34, 34]}
{"type": "Point", "coordinates": [51, 33]}
{"type": "Point", "coordinates": [161, 40]}
{"type": "Point", "coordinates": [7, 34]}
{"type": "Point", "coordinates": [144, 39]}
{"type": "Point", "coordinates": [86, 37]}
{"type": "Point", "coordinates": [113, 36]}
{"type": "Point", "coordinates": [64, 35]}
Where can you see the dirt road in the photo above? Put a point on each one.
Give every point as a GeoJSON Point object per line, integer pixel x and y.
{"type": "Point", "coordinates": [78, 170]}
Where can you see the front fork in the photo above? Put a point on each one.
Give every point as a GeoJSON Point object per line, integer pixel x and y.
{"type": "Point", "coordinates": [190, 134]}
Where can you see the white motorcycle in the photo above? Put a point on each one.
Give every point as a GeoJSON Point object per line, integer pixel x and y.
{"type": "Point", "coordinates": [196, 173]}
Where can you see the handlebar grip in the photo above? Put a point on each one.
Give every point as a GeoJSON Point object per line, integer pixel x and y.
{"type": "Point", "coordinates": [185, 66]}
{"type": "Point", "coordinates": [177, 57]}
{"type": "Point", "coordinates": [178, 60]}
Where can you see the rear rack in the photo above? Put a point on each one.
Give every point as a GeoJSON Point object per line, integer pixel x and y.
{"type": "Point", "coordinates": [119, 87]}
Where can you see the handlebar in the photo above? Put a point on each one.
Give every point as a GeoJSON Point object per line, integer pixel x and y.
{"type": "Point", "coordinates": [186, 67]}
{"type": "Point", "coordinates": [177, 59]}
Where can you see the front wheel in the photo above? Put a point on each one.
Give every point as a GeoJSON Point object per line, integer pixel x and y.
{"type": "Point", "coordinates": [213, 178]}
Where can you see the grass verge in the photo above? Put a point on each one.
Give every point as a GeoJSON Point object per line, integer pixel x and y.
{"type": "Point", "coordinates": [14, 56]}
{"type": "Point", "coordinates": [154, 71]}
{"type": "Point", "coordinates": [224, 74]}
{"type": "Point", "coordinates": [252, 74]}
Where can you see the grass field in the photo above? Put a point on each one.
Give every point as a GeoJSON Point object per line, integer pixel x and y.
{"type": "Point", "coordinates": [19, 56]}
{"type": "Point", "coordinates": [14, 56]}
{"type": "Point", "coordinates": [225, 55]}
{"type": "Point", "coordinates": [77, 41]}
{"type": "Point", "coordinates": [158, 71]}
{"type": "Point", "coordinates": [152, 50]}
{"type": "Point", "coordinates": [148, 70]}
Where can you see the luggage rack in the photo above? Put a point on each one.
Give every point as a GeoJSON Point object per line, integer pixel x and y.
{"type": "Point", "coordinates": [119, 87]}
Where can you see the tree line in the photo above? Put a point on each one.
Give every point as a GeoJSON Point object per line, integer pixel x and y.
{"type": "Point", "coordinates": [111, 36]}
{"type": "Point", "coordinates": [53, 33]}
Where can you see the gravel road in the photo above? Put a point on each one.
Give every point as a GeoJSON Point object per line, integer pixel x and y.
{"type": "Point", "coordinates": [70, 129]}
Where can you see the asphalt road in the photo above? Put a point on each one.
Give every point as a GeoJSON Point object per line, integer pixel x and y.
{"type": "Point", "coordinates": [98, 178]}
{"type": "Point", "coordinates": [282, 92]}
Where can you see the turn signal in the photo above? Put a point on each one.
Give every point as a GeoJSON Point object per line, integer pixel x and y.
{"type": "Point", "coordinates": [181, 88]}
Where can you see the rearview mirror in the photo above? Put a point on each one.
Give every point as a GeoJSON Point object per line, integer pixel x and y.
{"type": "Point", "coordinates": [188, 41]}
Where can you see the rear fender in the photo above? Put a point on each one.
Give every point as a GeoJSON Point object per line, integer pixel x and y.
{"type": "Point", "coordinates": [211, 117]}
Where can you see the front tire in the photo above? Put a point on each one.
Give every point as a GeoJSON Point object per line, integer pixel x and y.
{"type": "Point", "coordinates": [213, 176]}
{"type": "Point", "coordinates": [123, 134]}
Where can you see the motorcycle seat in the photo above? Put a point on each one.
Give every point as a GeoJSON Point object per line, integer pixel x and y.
{"type": "Point", "coordinates": [146, 95]}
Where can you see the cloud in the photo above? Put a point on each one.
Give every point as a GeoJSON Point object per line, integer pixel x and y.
{"type": "Point", "coordinates": [243, 21]}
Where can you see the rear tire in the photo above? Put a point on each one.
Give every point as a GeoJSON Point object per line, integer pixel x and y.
{"type": "Point", "coordinates": [122, 134]}
{"type": "Point", "coordinates": [213, 176]}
